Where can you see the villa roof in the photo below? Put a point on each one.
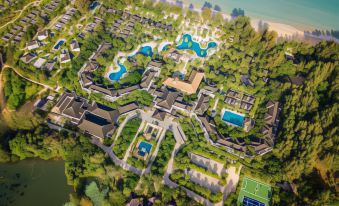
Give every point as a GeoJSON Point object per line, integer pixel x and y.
{"type": "Point", "coordinates": [147, 78]}
{"type": "Point", "coordinates": [203, 104]}
{"type": "Point", "coordinates": [128, 89]}
{"type": "Point", "coordinates": [27, 58]}
{"type": "Point", "coordinates": [74, 45]}
{"type": "Point", "coordinates": [127, 108]}
{"type": "Point", "coordinates": [159, 115]}
{"type": "Point", "coordinates": [211, 89]}
{"type": "Point", "coordinates": [105, 112]}
{"type": "Point", "coordinates": [272, 113]}
{"type": "Point", "coordinates": [96, 125]}
{"type": "Point", "coordinates": [155, 64]}
{"type": "Point", "coordinates": [189, 86]}
{"type": "Point", "coordinates": [101, 90]}
{"type": "Point", "coordinates": [167, 99]}
{"type": "Point", "coordinates": [207, 125]}
{"type": "Point", "coordinates": [296, 80]}
{"type": "Point", "coordinates": [75, 108]}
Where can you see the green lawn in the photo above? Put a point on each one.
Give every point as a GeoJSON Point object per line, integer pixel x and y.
{"type": "Point", "coordinates": [256, 190]}
{"type": "Point", "coordinates": [126, 137]}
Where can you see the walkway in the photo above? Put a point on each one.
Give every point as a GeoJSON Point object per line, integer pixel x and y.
{"type": "Point", "coordinates": [21, 11]}
{"type": "Point", "coordinates": [28, 79]}
{"type": "Point", "coordinates": [2, 95]}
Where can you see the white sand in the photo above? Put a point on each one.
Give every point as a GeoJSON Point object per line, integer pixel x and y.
{"type": "Point", "coordinates": [281, 29]}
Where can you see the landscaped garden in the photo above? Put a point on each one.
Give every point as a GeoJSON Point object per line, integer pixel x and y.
{"type": "Point", "coordinates": [126, 137]}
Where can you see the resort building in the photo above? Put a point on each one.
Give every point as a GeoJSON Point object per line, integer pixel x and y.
{"type": "Point", "coordinates": [33, 45]}
{"type": "Point", "coordinates": [27, 58]}
{"type": "Point", "coordinates": [93, 118]}
{"type": "Point", "coordinates": [75, 46]}
{"type": "Point", "coordinates": [42, 35]}
{"type": "Point", "coordinates": [271, 121]}
{"type": "Point", "coordinates": [190, 86]}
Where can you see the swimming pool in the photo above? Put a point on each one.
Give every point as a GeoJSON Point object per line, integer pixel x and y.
{"type": "Point", "coordinates": [115, 76]}
{"type": "Point", "coordinates": [143, 148]}
{"type": "Point", "coordinates": [233, 118]}
{"type": "Point", "coordinates": [146, 51]}
{"type": "Point", "coordinates": [58, 44]}
{"type": "Point", "coordinates": [188, 43]}
{"type": "Point", "coordinates": [93, 5]}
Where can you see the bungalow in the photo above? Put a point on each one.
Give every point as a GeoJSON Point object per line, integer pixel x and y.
{"type": "Point", "coordinates": [154, 65]}
{"type": "Point", "coordinates": [75, 46]}
{"type": "Point", "coordinates": [102, 90]}
{"type": "Point", "coordinates": [202, 104]}
{"type": "Point", "coordinates": [159, 115]}
{"type": "Point", "coordinates": [246, 80]}
{"type": "Point", "coordinates": [38, 63]}
{"type": "Point", "coordinates": [298, 81]}
{"type": "Point", "coordinates": [124, 109]}
{"type": "Point", "coordinates": [190, 86]}
{"type": "Point", "coordinates": [27, 58]}
{"type": "Point", "coordinates": [64, 56]}
{"type": "Point", "coordinates": [42, 35]}
{"type": "Point", "coordinates": [167, 100]}
{"type": "Point", "coordinates": [175, 56]}
{"type": "Point", "coordinates": [147, 78]}
{"type": "Point", "coordinates": [33, 45]}
{"type": "Point", "coordinates": [49, 66]}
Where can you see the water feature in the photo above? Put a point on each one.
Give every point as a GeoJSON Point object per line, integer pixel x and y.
{"type": "Point", "coordinates": [33, 182]}
{"type": "Point", "coordinates": [58, 44]}
{"type": "Point", "coordinates": [188, 43]}
{"type": "Point", "coordinates": [233, 118]}
{"type": "Point", "coordinates": [146, 51]}
{"type": "Point", "coordinates": [115, 76]}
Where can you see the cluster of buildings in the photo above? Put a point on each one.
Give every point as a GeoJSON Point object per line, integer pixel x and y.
{"type": "Point", "coordinates": [91, 118]}
{"type": "Point", "coordinates": [236, 98]}
{"type": "Point", "coordinates": [125, 24]}
{"type": "Point", "coordinates": [17, 32]}
{"type": "Point", "coordinates": [52, 6]}
{"type": "Point", "coordinates": [60, 24]}
{"type": "Point", "coordinates": [87, 83]}
{"type": "Point", "coordinates": [90, 26]}
{"type": "Point", "coordinates": [6, 4]}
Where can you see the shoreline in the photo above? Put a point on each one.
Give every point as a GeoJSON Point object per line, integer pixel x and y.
{"type": "Point", "coordinates": [283, 30]}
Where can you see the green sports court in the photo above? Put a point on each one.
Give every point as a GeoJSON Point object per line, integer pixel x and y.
{"type": "Point", "coordinates": [254, 193]}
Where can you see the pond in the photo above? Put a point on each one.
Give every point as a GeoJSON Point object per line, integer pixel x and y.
{"type": "Point", "coordinates": [33, 182]}
{"type": "Point", "coordinates": [188, 43]}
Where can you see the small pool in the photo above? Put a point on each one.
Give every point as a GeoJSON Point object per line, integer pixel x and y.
{"type": "Point", "coordinates": [233, 118]}
{"type": "Point", "coordinates": [166, 47]}
{"type": "Point", "coordinates": [58, 44]}
{"type": "Point", "coordinates": [144, 147]}
{"type": "Point", "coordinates": [115, 76]}
{"type": "Point", "coordinates": [146, 51]}
{"type": "Point", "coordinates": [188, 43]}
{"type": "Point", "coordinates": [93, 5]}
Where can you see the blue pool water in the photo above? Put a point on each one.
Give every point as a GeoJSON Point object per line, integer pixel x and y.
{"type": "Point", "coordinates": [58, 45]}
{"type": "Point", "coordinates": [233, 118]}
{"type": "Point", "coordinates": [93, 5]}
{"type": "Point", "coordinates": [146, 51]}
{"type": "Point", "coordinates": [144, 147]}
{"type": "Point", "coordinates": [115, 76]}
{"type": "Point", "coordinates": [166, 47]}
{"type": "Point", "coordinates": [188, 43]}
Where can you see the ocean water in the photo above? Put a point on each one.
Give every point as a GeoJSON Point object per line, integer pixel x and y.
{"type": "Point", "coordinates": [303, 14]}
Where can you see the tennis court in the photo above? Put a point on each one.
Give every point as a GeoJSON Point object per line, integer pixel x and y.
{"type": "Point", "coordinates": [254, 193]}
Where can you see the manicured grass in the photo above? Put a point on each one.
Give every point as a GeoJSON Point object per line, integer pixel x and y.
{"type": "Point", "coordinates": [255, 190]}
{"type": "Point", "coordinates": [126, 137]}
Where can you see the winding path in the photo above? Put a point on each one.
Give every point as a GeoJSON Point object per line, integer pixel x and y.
{"type": "Point", "coordinates": [28, 79]}
{"type": "Point", "coordinates": [21, 11]}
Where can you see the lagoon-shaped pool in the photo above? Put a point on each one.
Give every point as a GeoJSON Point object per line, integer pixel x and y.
{"type": "Point", "coordinates": [233, 118]}
{"type": "Point", "coordinates": [188, 43]}
{"type": "Point", "coordinates": [146, 51]}
{"type": "Point", "coordinates": [115, 76]}
{"type": "Point", "coordinates": [58, 44]}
